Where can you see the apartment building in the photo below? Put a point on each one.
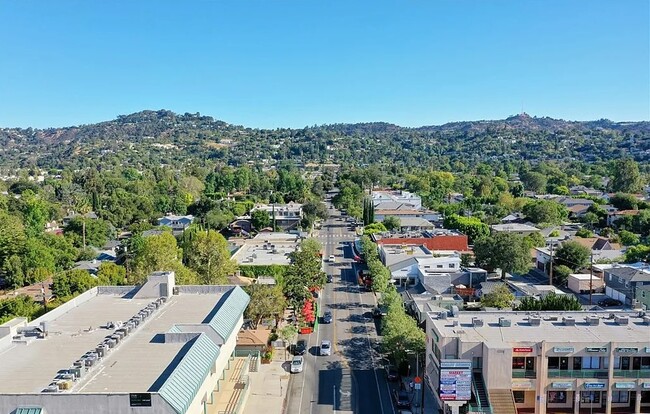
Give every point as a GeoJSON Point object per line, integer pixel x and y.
{"type": "Point", "coordinates": [542, 363]}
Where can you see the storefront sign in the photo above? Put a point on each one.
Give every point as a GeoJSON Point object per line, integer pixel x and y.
{"type": "Point", "coordinates": [596, 349]}
{"type": "Point", "coordinates": [594, 385]}
{"type": "Point", "coordinates": [524, 385]}
{"type": "Point", "coordinates": [646, 385]}
{"type": "Point", "coordinates": [627, 350]}
{"type": "Point", "coordinates": [562, 385]}
{"type": "Point", "coordinates": [625, 385]}
{"type": "Point", "coordinates": [563, 349]}
{"type": "Point", "coordinates": [455, 380]}
{"type": "Point", "coordinates": [522, 349]}
{"type": "Point", "coordinates": [647, 349]}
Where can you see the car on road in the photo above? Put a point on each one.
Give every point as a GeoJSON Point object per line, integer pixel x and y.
{"type": "Point", "coordinates": [332, 258]}
{"type": "Point", "coordinates": [392, 374]}
{"type": "Point", "coordinates": [378, 312]}
{"type": "Point", "coordinates": [327, 317]}
{"type": "Point", "coordinates": [300, 347]}
{"type": "Point", "coordinates": [402, 399]}
{"type": "Point", "coordinates": [330, 279]}
{"type": "Point", "coordinates": [609, 302]}
{"type": "Point", "coordinates": [297, 364]}
{"type": "Point", "coordinates": [325, 348]}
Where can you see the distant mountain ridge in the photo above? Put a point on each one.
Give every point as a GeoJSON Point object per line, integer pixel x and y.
{"type": "Point", "coordinates": [196, 135]}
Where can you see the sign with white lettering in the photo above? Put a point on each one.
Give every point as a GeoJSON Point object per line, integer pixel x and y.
{"type": "Point", "coordinates": [646, 385]}
{"type": "Point", "coordinates": [562, 385]}
{"type": "Point", "coordinates": [597, 349]}
{"type": "Point", "coordinates": [522, 385]}
{"type": "Point", "coordinates": [627, 350]}
{"type": "Point", "coordinates": [455, 380]}
{"type": "Point", "coordinates": [522, 349]}
{"type": "Point", "coordinates": [563, 349]}
{"type": "Point", "coordinates": [625, 385]}
{"type": "Point", "coordinates": [594, 385]}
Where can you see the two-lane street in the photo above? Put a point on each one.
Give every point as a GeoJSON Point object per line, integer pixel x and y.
{"type": "Point", "coordinates": [350, 380]}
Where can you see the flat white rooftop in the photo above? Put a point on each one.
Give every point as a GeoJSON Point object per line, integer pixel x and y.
{"type": "Point", "coordinates": [551, 328]}
{"type": "Point", "coordinates": [133, 366]}
{"type": "Point", "coordinates": [267, 249]}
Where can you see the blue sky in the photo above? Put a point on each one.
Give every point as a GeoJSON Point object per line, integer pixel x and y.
{"type": "Point", "coordinates": [297, 63]}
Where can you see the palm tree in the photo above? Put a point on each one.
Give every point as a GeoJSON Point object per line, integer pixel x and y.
{"type": "Point", "coordinates": [82, 206]}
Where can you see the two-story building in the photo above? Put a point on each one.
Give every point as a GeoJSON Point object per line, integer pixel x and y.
{"type": "Point", "coordinates": [286, 216]}
{"type": "Point", "coordinates": [622, 282]}
{"type": "Point", "coordinates": [544, 362]}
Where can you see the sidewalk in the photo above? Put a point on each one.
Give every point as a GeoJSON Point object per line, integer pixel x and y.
{"type": "Point", "coordinates": [430, 404]}
{"type": "Point", "coordinates": [269, 387]}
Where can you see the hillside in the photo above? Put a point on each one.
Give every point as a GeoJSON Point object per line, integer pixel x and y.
{"type": "Point", "coordinates": [163, 137]}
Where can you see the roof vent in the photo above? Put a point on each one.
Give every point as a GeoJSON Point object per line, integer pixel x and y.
{"type": "Point", "coordinates": [534, 320]}
{"type": "Point", "coordinates": [622, 319]}
{"type": "Point", "coordinates": [477, 322]}
{"type": "Point", "coordinates": [569, 320]}
{"type": "Point", "coordinates": [592, 320]}
{"type": "Point", "coordinates": [442, 315]}
{"type": "Point", "coordinates": [503, 322]}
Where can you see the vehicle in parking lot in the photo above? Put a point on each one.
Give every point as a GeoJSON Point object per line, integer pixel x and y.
{"type": "Point", "coordinates": [327, 317]}
{"type": "Point", "coordinates": [325, 348]}
{"type": "Point", "coordinates": [300, 347]}
{"type": "Point", "coordinates": [609, 302]}
{"type": "Point", "coordinates": [296, 364]}
{"type": "Point", "coordinates": [332, 258]}
{"type": "Point", "coordinates": [402, 399]}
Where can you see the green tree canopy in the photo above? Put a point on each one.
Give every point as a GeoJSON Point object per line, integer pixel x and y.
{"type": "Point", "coordinates": [374, 228]}
{"type": "Point", "coordinates": [160, 253]}
{"type": "Point", "coordinates": [266, 301]}
{"type": "Point", "coordinates": [471, 226]}
{"type": "Point", "coordinates": [260, 219]}
{"type": "Point", "coordinates": [545, 211]}
{"type": "Point", "coordinates": [550, 302]}
{"type": "Point", "coordinates": [208, 255]}
{"type": "Point", "coordinates": [506, 251]}
{"type": "Point", "coordinates": [626, 176]}
{"type": "Point", "coordinates": [500, 297]}
{"type": "Point", "coordinates": [561, 275]}
{"type": "Point", "coordinates": [391, 223]}
{"type": "Point", "coordinates": [72, 282]}
{"type": "Point", "coordinates": [573, 255]}
{"type": "Point", "coordinates": [111, 274]}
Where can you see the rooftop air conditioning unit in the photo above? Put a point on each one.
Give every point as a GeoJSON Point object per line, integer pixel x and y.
{"type": "Point", "coordinates": [51, 388]}
{"type": "Point", "coordinates": [503, 322]}
{"type": "Point", "coordinates": [477, 322]}
{"type": "Point", "coordinates": [622, 319]}
{"type": "Point", "coordinates": [592, 320]}
{"type": "Point", "coordinates": [442, 315]}
{"type": "Point", "coordinates": [534, 320]}
{"type": "Point", "coordinates": [569, 320]}
{"type": "Point", "coordinates": [646, 320]}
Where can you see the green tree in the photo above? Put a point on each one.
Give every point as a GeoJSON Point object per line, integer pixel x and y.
{"type": "Point", "coordinates": [304, 272]}
{"type": "Point", "coordinates": [287, 333]}
{"type": "Point", "coordinates": [626, 176]}
{"type": "Point", "coordinates": [534, 181]}
{"type": "Point", "coordinates": [401, 334]}
{"type": "Point", "coordinates": [374, 228]}
{"type": "Point", "coordinates": [391, 223]}
{"type": "Point", "coordinates": [466, 259]}
{"type": "Point", "coordinates": [506, 251]}
{"type": "Point", "coordinates": [471, 226]}
{"type": "Point", "coordinates": [584, 233]}
{"type": "Point", "coordinates": [218, 219]}
{"type": "Point", "coordinates": [111, 274]}
{"type": "Point", "coordinates": [160, 253]}
{"type": "Point", "coordinates": [38, 260]}
{"type": "Point", "coordinates": [591, 219]}
{"type": "Point", "coordinates": [561, 275]}
{"type": "Point", "coordinates": [36, 212]}
{"type": "Point", "coordinates": [72, 282]}
{"type": "Point", "coordinates": [260, 219]}
{"type": "Point", "coordinates": [12, 236]}
{"type": "Point", "coordinates": [14, 274]}
{"type": "Point", "coordinates": [624, 201]}
{"type": "Point", "coordinates": [379, 274]}
{"type": "Point", "coordinates": [638, 253]}
{"type": "Point", "coordinates": [550, 302]}
{"type": "Point", "coordinates": [573, 255]}
{"type": "Point", "coordinates": [500, 297]}
{"type": "Point", "coordinates": [83, 232]}
{"type": "Point", "coordinates": [628, 238]}
{"type": "Point", "coordinates": [368, 248]}
{"type": "Point", "coordinates": [19, 306]}
{"type": "Point", "coordinates": [545, 211]}
{"type": "Point", "coordinates": [265, 302]}
{"type": "Point", "coordinates": [208, 255]}
{"type": "Point", "coordinates": [535, 240]}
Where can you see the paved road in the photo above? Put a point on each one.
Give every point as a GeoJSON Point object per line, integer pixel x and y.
{"type": "Point", "coordinates": [350, 380]}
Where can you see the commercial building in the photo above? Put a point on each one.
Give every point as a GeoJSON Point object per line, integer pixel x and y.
{"type": "Point", "coordinates": [157, 348]}
{"type": "Point", "coordinates": [397, 197]}
{"type": "Point", "coordinates": [545, 362]}
{"type": "Point", "coordinates": [267, 249]}
{"type": "Point", "coordinates": [286, 216]}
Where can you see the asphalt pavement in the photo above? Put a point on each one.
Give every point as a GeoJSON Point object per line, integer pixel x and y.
{"type": "Point", "coordinates": [351, 380]}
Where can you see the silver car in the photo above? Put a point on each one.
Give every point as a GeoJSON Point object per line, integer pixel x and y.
{"type": "Point", "coordinates": [297, 364]}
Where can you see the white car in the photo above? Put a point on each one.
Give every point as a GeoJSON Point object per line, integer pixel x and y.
{"type": "Point", "coordinates": [296, 364]}
{"type": "Point", "coordinates": [332, 259]}
{"type": "Point", "coordinates": [325, 348]}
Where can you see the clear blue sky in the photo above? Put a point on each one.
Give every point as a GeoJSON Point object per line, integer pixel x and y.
{"type": "Point", "coordinates": [296, 63]}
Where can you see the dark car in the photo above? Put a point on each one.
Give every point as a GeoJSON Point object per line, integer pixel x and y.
{"type": "Point", "coordinates": [300, 347]}
{"type": "Point", "coordinates": [392, 374]}
{"type": "Point", "coordinates": [609, 302]}
{"type": "Point", "coordinates": [378, 312]}
{"type": "Point", "coordinates": [330, 279]}
{"type": "Point", "coordinates": [402, 399]}
{"type": "Point", "coordinates": [327, 317]}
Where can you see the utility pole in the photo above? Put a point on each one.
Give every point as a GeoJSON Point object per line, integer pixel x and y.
{"type": "Point", "coordinates": [591, 276]}
{"type": "Point", "coordinates": [550, 275]}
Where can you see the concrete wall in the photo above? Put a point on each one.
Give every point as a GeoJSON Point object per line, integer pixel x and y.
{"type": "Point", "coordinates": [67, 403]}
{"type": "Point", "coordinates": [66, 307]}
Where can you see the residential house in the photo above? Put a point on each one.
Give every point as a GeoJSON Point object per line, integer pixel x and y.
{"type": "Point", "coordinates": [569, 202]}
{"type": "Point", "coordinates": [621, 282]}
{"type": "Point", "coordinates": [252, 339]}
{"type": "Point", "coordinates": [585, 283]}
{"type": "Point", "coordinates": [616, 215]}
{"type": "Point", "coordinates": [601, 249]}
{"type": "Point", "coordinates": [514, 218]}
{"type": "Point", "coordinates": [582, 190]}
{"type": "Point", "coordinates": [178, 224]}
{"type": "Point", "coordinates": [415, 224]}
{"type": "Point", "coordinates": [578, 211]}
{"type": "Point", "coordinates": [91, 215]}
{"type": "Point", "coordinates": [642, 296]}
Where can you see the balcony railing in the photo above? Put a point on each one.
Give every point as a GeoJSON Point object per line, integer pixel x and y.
{"type": "Point", "coordinates": [520, 373]}
{"type": "Point", "coordinates": [635, 373]}
{"type": "Point", "coordinates": [475, 408]}
{"type": "Point", "coordinates": [581, 373]}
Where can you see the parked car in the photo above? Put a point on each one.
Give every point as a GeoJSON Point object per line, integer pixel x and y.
{"type": "Point", "coordinates": [332, 258]}
{"type": "Point", "coordinates": [325, 348]}
{"type": "Point", "coordinates": [327, 317]}
{"type": "Point", "coordinates": [378, 312]}
{"type": "Point", "coordinates": [392, 374]}
{"type": "Point", "coordinates": [297, 364]}
{"type": "Point", "coordinates": [330, 279]}
{"type": "Point", "coordinates": [402, 399]}
{"type": "Point", "coordinates": [300, 347]}
{"type": "Point", "coordinates": [609, 302]}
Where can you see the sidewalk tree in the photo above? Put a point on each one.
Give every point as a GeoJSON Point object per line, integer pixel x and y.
{"type": "Point", "coordinates": [500, 297]}
{"type": "Point", "coordinates": [401, 334]}
{"type": "Point", "coordinates": [379, 274]}
{"type": "Point", "coordinates": [266, 301]}
{"type": "Point", "coordinates": [506, 251]}
{"type": "Point", "coordinates": [288, 334]}
{"type": "Point", "coordinates": [368, 248]}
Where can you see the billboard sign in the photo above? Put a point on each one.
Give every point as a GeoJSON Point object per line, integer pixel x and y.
{"type": "Point", "coordinates": [455, 380]}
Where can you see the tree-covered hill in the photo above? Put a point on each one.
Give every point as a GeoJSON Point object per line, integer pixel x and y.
{"type": "Point", "coordinates": [163, 137]}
